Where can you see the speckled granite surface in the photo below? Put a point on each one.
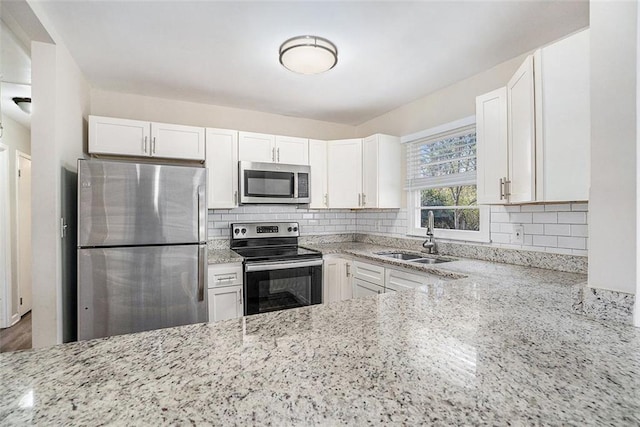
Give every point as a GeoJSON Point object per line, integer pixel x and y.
{"type": "Point", "coordinates": [497, 347]}
{"type": "Point", "coordinates": [223, 256]}
{"type": "Point", "coordinates": [603, 304]}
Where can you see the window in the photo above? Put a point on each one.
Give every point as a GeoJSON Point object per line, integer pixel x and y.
{"type": "Point", "coordinates": [441, 177]}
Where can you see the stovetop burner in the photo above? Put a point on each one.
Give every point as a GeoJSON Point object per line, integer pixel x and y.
{"type": "Point", "coordinates": [264, 253]}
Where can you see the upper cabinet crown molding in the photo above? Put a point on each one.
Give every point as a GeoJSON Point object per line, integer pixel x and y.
{"type": "Point", "coordinates": [547, 123]}
{"type": "Point", "coordinates": [124, 137]}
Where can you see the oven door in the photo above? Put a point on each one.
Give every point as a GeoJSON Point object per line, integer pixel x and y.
{"type": "Point", "coordinates": [277, 286]}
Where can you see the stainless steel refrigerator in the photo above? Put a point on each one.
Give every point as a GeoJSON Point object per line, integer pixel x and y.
{"type": "Point", "coordinates": [141, 247]}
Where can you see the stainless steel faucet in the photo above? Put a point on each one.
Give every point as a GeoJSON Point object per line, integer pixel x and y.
{"type": "Point", "coordinates": [430, 244]}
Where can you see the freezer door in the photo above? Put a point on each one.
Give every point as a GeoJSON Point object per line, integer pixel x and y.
{"type": "Point", "coordinates": [123, 203]}
{"type": "Point", "coordinates": [124, 290]}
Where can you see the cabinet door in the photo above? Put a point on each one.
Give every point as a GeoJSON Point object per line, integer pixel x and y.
{"type": "Point", "coordinates": [401, 280]}
{"type": "Point", "coordinates": [225, 303]}
{"type": "Point", "coordinates": [177, 141]}
{"type": "Point", "coordinates": [332, 277]}
{"type": "Point", "coordinates": [344, 173]}
{"type": "Point", "coordinates": [318, 163]}
{"type": "Point", "coordinates": [222, 168]}
{"type": "Point", "coordinates": [256, 147]}
{"type": "Point", "coordinates": [119, 137]}
{"type": "Point", "coordinates": [370, 272]}
{"type": "Point", "coordinates": [563, 129]}
{"type": "Point", "coordinates": [292, 151]}
{"type": "Point", "coordinates": [491, 146]}
{"type": "Point", "coordinates": [370, 172]}
{"type": "Point", "coordinates": [521, 132]}
{"type": "Point", "coordinates": [362, 288]}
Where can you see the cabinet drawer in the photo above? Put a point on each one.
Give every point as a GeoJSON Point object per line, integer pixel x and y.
{"type": "Point", "coordinates": [363, 288]}
{"type": "Point", "coordinates": [400, 280]}
{"type": "Point", "coordinates": [225, 275]}
{"type": "Point", "coordinates": [369, 272]}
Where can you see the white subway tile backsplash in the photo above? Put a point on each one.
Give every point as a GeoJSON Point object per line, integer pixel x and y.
{"type": "Point", "coordinates": [572, 242]}
{"type": "Point", "coordinates": [549, 241]}
{"type": "Point", "coordinates": [579, 230]}
{"type": "Point", "coordinates": [580, 207]}
{"type": "Point", "coordinates": [533, 229]}
{"type": "Point", "coordinates": [557, 229]}
{"type": "Point", "coordinates": [522, 218]}
{"type": "Point", "coordinates": [572, 217]}
{"type": "Point", "coordinates": [545, 218]}
{"type": "Point", "coordinates": [565, 207]}
{"type": "Point", "coordinates": [500, 217]}
{"type": "Point", "coordinates": [532, 208]}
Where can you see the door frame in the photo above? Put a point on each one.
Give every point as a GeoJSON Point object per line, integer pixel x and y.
{"type": "Point", "coordinates": [26, 156]}
{"type": "Point", "coordinates": [6, 317]}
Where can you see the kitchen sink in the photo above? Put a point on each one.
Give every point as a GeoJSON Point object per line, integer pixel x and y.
{"type": "Point", "coordinates": [400, 255]}
{"type": "Point", "coordinates": [431, 260]}
{"type": "Point", "coordinates": [421, 259]}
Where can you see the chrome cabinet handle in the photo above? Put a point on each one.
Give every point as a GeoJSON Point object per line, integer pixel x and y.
{"type": "Point", "coordinates": [501, 189]}
{"type": "Point", "coordinates": [278, 155]}
{"type": "Point", "coordinates": [144, 145]}
{"type": "Point", "coordinates": [153, 145]}
{"type": "Point", "coordinates": [240, 295]}
{"type": "Point", "coordinates": [225, 279]}
{"type": "Point", "coordinates": [348, 269]}
{"type": "Point", "coordinates": [326, 199]}
{"type": "Point", "coordinates": [235, 197]}
{"type": "Point", "coordinates": [273, 154]}
{"type": "Point", "coordinates": [364, 199]}
{"type": "Point", "coordinates": [359, 199]}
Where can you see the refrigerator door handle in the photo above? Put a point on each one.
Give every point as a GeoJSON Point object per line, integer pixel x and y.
{"type": "Point", "coordinates": [202, 212]}
{"type": "Point", "coordinates": [202, 259]}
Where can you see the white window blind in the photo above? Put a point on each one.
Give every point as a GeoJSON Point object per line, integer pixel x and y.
{"type": "Point", "coordinates": [445, 159]}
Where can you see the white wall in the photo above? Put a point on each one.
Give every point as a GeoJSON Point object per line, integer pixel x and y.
{"type": "Point", "coordinates": [60, 108]}
{"type": "Point", "coordinates": [612, 206]}
{"type": "Point", "coordinates": [138, 107]}
{"type": "Point", "coordinates": [17, 138]}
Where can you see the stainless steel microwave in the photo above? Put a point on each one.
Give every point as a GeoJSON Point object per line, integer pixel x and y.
{"type": "Point", "coordinates": [273, 183]}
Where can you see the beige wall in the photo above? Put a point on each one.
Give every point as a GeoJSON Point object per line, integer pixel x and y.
{"type": "Point", "coordinates": [17, 138]}
{"type": "Point", "coordinates": [138, 107]}
{"type": "Point", "coordinates": [60, 108]}
{"type": "Point", "coordinates": [612, 200]}
{"type": "Point", "coordinates": [445, 105]}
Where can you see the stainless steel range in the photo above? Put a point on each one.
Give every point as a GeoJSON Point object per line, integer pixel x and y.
{"type": "Point", "coordinates": [278, 274]}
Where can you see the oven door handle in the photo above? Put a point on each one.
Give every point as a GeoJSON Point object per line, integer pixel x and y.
{"type": "Point", "coordinates": [266, 266]}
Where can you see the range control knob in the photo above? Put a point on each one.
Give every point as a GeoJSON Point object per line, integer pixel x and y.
{"type": "Point", "coordinates": [295, 228]}
{"type": "Point", "coordinates": [289, 229]}
{"type": "Point", "coordinates": [244, 230]}
{"type": "Point", "coordinates": [236, 231]}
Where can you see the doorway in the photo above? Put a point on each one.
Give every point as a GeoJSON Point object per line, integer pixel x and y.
{"type": "Point", "coordinates": [23, 229]}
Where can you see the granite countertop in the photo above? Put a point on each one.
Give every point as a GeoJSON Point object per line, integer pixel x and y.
{"type": "Point", "coordinates": [498, 346]}
{"type": "Point", "coordinates": [222, 256]}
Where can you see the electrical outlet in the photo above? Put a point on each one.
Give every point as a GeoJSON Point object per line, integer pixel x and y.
{"type": "Point", "coordinates": [518, 235]}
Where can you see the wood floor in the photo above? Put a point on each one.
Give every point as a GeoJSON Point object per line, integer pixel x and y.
{"type": "Point", "coordinates": [18, 336]}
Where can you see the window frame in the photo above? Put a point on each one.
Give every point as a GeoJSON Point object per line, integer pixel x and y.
{"type": "Point", "coordinates": [413, 194]}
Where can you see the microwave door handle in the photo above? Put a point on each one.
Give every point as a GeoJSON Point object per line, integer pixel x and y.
{"type": "Point", "coordinates": [295, 185]}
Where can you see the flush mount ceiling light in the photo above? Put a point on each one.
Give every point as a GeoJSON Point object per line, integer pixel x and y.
{"type": "Point", "coordinates": [24, 104]}
{"type": "Point", "coordinates": [308, 54]}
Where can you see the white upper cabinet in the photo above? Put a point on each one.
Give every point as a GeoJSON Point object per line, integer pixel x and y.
{"type": "Point", "coordinates": [120, 137]}
{"type": "Point", "coordinates": [344, 173]}
{"type": "Point", "coordinates": [521, 134]}
{"type": "Point", "coordinates": [563, 124]}
{"type": "Point", "coordinates": [381, 177]}
{"type": "Point", "coordinates": [491, 137]}
{"type": "Point", "coordinates": [292, 150]}
{"type": "Point", "coordinates": [222, 168]}
{"type": "Point", "coordinates": [547, 125]}
{"type": "Point", "coordinates": [256, 147]}
{"type": "Point", "coordinates": [123, 137]}
{"type": "Point", "coordinates": [318, 163]}
{"type": "Point", "coordinates": [260, 147]}
{"type": "Point", "coordinates": [177, 141]}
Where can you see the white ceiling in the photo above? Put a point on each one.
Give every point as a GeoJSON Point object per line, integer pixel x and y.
{"type": "Point", "coordinates": [226, 53]}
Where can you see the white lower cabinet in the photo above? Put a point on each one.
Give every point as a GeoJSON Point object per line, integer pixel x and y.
{"type": "Point", "coordinates": [225, 294]}
{"type": "Point", "coordinates": [396, 280]}
{"type": "Point", "coordinates": [336, 278]}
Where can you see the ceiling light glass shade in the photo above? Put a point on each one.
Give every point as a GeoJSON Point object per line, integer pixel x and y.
{"type": "Point", "coordinates": [24, 104]}
{"type": "Point", "coordinates": [308, 55]}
